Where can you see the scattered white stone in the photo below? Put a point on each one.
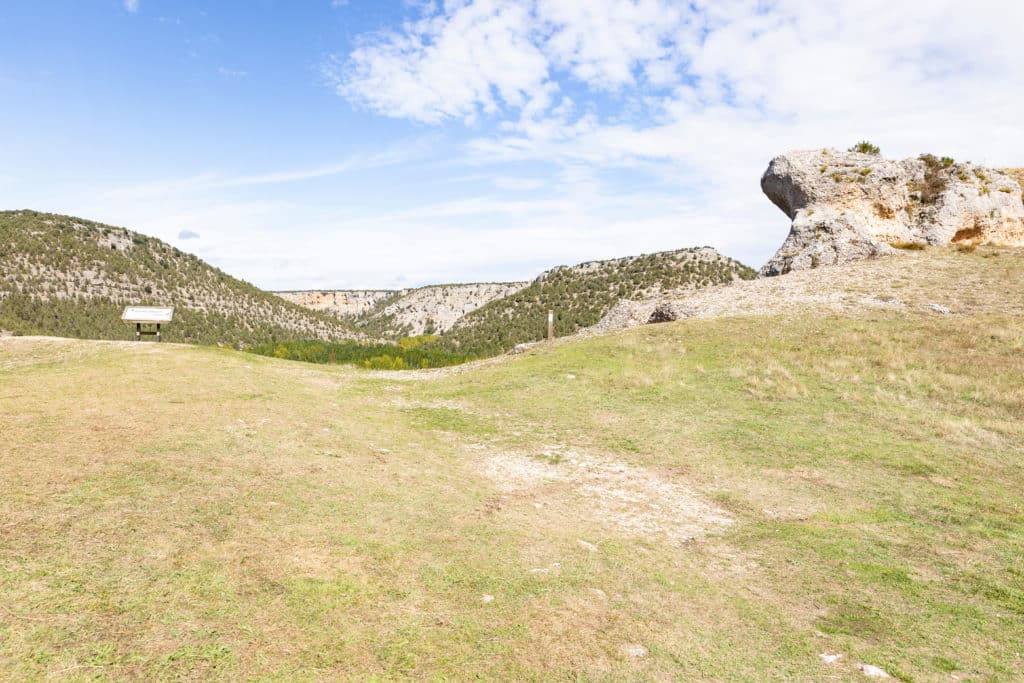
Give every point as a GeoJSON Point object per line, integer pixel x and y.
{"type": "Point", "coordinates": [634, 650]}
{"type": "Point", "coordinates": [556, 565]}
{"type": "Point", "coordinates": [538, 505]}
{"type": "Point", "coordinates": [570, 376]}
{"type": "Point", "coordinates": [487, 598]}
{"type": "Point", "coordinates": [599, 593]}
{"type": "Point", "coordinates": [830, 659]}
{"type": "Point", "coordinates": [589, 546]}
{"type": "Point", "coordinates": [539, 570]}
{"type": "Point", "coordinates": [873, 671]}
{"type": "Point", "coordinates": [939, 308]}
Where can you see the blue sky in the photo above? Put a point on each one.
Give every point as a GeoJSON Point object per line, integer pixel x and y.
{"type": "Point", "coordinates": [386, 144]}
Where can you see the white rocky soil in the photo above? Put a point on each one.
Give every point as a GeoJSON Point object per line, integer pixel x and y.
{"type": "Point", "coordinates": [905, 281]}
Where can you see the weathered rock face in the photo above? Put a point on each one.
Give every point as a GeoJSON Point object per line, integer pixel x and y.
{"type": "Point", "coordinates": [339, 302]}
{"type": "Point", "coordinates": [434, 308]}
{"type": "Point", "coordinates": [437, 308]}
{"type": "Point", "coordinates": [847, 206]}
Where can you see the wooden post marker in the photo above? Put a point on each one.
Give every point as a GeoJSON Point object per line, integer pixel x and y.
{"type": "Point", "coordinates": [147, 319]}
{"type": "Point", "coordinates": [551, 326]}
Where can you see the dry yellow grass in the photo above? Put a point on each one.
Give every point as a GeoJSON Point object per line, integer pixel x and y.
{"type": "Point", "coordinates": [720, 499]}
{"type": "Point", "coordinates": [1016, 173]}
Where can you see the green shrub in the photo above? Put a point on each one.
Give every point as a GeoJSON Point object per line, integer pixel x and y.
{"type": "Point", "coordinates": [865, 147]}
{"type": "Point", "coordinates": [936, 179]}
{"type": "Point", "coordinates": [416, 352]}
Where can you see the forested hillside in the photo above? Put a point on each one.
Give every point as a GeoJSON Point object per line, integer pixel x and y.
{"type": "Point", "coordinates": [71, 277]}
{"type": "Point", "coordinates": [580, 295]}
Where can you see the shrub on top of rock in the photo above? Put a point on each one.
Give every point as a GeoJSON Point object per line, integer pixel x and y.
{"type": "Point", "coordinates": [865, 147]}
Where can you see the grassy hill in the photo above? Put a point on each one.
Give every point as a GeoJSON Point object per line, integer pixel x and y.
{"type": "Point", "coordinates": [711, 499]}
{"type": "Point", "coordinates": [72, 277]}
{"type": "Point", "coordinates": [580, 295]}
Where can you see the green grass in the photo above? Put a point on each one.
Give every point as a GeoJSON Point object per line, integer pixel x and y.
{"type": "Point", "coordinates": [175, 512]}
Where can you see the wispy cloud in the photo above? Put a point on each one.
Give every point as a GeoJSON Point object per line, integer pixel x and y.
{"type": "Point", "coordinates": [554, 73]}
{"type": "Point", "coordinates": [698, 95]}
{"type": "Point", "coordinates": [231, 73]}
{"type": "Point", "coordinates": [131, 5]}
{"type": "Point", "coordinates": [212, 180]}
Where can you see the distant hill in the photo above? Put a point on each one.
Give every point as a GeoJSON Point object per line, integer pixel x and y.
{"type": "Point", "coordinates": [71, 277]}
{"type": "Point", "coordinates": [403, 312]}
{"type": "Point", "coordinates": [433, 309]}
{"type": "Point", "coordinates": [581, 295]}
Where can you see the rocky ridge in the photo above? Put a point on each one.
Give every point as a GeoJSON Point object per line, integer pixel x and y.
{"type": "Point", "coordinates": [338, 302]}
{"type": "Point", "coordinates": [580, 295]}
{"type": "Point", "coordinates": [906, 284]}
{"type": "Point", "coordinates": [433, 309]}
{"type": "Point", "coordinates": [847, 206]}
{"type": "Point", "coordinates": [436, 309]}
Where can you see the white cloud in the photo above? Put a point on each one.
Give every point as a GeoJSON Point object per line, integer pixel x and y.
{"type": "Point", "coordinates": [231, 73]}
{"type": "Point", "coordinates": [594, 130]}
{"type": "Point", "coordinates": [131, 5]}
{"type": "Point", "coordinates": [212, 180]}
{"type": "Point", "coordinates": [476, 58]}
{"type": "Point", "coordinates": [702, 94]}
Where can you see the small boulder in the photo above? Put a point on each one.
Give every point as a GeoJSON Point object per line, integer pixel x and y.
{"type": "Point", "coordinates": [872, 671]}
{"type": "Point", "coordinates": [634, 650]}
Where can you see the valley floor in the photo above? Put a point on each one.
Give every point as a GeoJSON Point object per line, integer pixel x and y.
{"type": "Point", "coordinates": [720, 499]}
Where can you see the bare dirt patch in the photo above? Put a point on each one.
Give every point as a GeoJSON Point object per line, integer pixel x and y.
{"type": "Point", "coordinates": [633, 501]}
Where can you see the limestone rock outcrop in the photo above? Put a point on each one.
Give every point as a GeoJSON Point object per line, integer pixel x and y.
{"type": "Point", "coordinates": [434, 308]}
{"type": "Point", "coordinates": [847, 206]}
{"type": "Point", "coordinates": [340, 302]}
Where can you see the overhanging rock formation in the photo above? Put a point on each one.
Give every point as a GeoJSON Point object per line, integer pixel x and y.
{"type": "Point", "coordinates": [847, 206]}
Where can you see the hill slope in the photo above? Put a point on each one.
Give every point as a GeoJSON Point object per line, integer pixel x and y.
{"type": "Point", "coordinates": [403, 312]}
{"type": "Point", "coordinates": [432, 309]}
{"type": "Point", "coordinates": [71, 277]}
{"type": "Point", "coordinates": [933, 280]}
{"type": "Point", "coordinates": [580, 295]}
{"type": "Point", "coordinates": [713, 499]}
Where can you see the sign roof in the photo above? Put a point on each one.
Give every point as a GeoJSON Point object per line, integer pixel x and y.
{"type": "Point", "coordinates": [148, 314]}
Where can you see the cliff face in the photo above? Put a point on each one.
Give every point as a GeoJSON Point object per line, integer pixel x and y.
{"type": "Point", "coordinates": [340, 302]}
{"type": "Point", "coordinates": [847, 206]}
{"type": "Point", "coordinates": [401, 312]}
{"type": "Point", "coordinates": [436, 309]}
